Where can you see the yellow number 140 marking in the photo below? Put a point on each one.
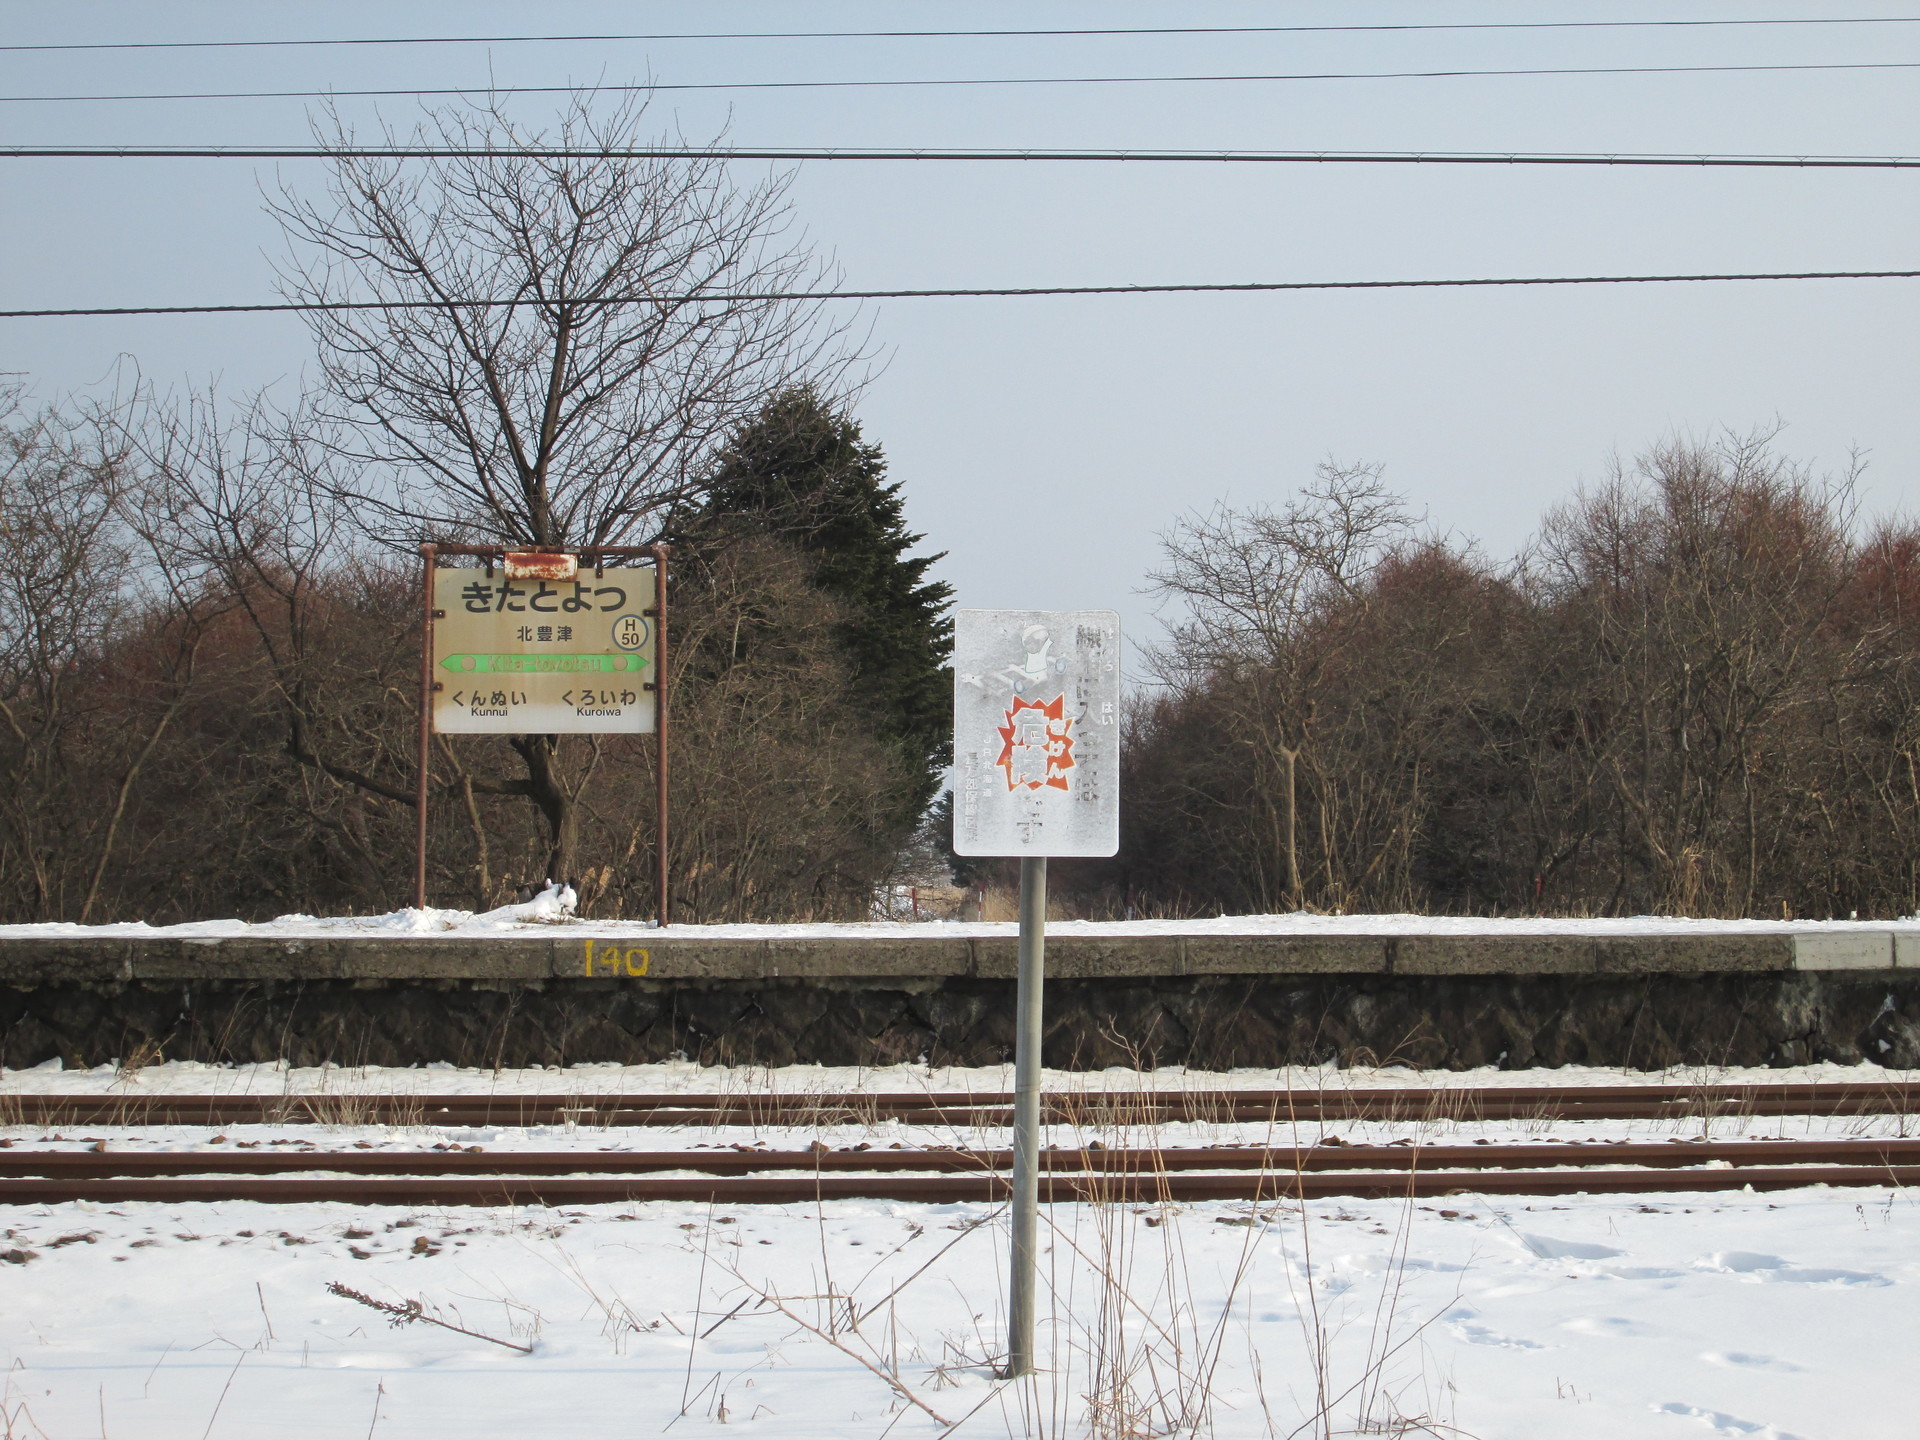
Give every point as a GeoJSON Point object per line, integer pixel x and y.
{"type": "Point", "coordinates": [616, 961]}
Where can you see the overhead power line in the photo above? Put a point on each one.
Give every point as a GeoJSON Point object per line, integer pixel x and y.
{"type": "Point", "coordinates": [1158, 30]}
{"type": "Point", "coordinates": [956, 293]}
{"type": "Point", "coordinates": [964, 34]}
{"type": "Point", "coordinates": [800, 152]}
{"type": "Point", "coordinates": [970, 82]}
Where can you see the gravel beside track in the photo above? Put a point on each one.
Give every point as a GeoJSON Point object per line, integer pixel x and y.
{"type": "Point", "coordinates": [1460, 1103]}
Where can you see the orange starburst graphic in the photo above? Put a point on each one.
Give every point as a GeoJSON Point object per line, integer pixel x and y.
{"type": "Point", "coordinates": [1036, 749]}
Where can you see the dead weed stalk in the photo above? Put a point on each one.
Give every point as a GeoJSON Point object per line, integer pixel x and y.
{"type": "Point", "coordinates": [412, 1310]}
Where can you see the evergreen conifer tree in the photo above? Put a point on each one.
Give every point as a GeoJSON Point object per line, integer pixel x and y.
{"type": "Point", "coordinates": [801, 471]}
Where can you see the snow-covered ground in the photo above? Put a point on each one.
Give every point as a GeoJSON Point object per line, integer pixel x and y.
{"type": "Point", "coordinates": [1504, 1318]}
{"type": "Point", "coordinates": [549, 910]}
{"type": "Point", "coordinates": [192, 1077]}
{"type": "Point", "coordinates": [1731, 1314]}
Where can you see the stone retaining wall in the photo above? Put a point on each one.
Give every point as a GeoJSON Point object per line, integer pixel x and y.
{"type": "Point", "coordinates": [1213, 1001]}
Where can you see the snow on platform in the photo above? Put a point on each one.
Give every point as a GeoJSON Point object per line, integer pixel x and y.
{"type": "Point", "coordinates": [537, 918]}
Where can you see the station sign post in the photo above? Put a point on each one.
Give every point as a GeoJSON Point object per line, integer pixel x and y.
{"type": "Point", "coordinates": [544, 642]}
{"type": "Point", "coordinates": [1036, 751]}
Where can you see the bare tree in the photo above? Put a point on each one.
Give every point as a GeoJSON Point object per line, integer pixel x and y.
{"type": "Point", "coordinates": [1693, 601]}
{"type": "Point", "coordinates": [100, 632]}
{"type": "Point", "coordinates": [646, 320]}
{"type": "Point", "coordinates": [1693, 694]}
{"type": "Point", "coordinates": [249, 499]}
{"type": "Point", "coordinates": [63, 592]}
{"type": "Point", "coordinates": [1258, 589]}
{"type": "Point", "coordinates": [652, 309]}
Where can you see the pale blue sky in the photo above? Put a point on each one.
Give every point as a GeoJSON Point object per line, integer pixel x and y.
{"type": "Point", "coordinates": [1043, 442]}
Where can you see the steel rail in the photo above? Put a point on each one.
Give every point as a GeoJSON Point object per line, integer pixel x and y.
{"type": "Point", "coordinates": [763, 1189]}
{"type": "Point", "coordinates": [1649, 1101]}
{"type": "Point", "coordinates": [1276, 1159]}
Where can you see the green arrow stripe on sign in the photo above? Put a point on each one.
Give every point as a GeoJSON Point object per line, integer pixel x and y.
{"type": "Point", "coordinates": [542, 664]}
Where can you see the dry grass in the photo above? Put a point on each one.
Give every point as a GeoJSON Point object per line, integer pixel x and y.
{"type": "Point", "coordinates": [146, 1052]}
{"type": "Point", "coordinates": [1134, 1347]}
{"type": "Point", "coordinates": [407, 1312]}
{"type": "Point", "coordinates": [347, 1109]}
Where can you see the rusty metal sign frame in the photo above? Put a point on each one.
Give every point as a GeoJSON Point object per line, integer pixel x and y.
{"type": "Point", "coordinates": [582, 555]}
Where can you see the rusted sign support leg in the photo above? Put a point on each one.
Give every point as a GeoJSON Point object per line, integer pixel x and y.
{"type": "Point", "coordinates": [660, 726]}
{"type": "Point", "coordinates": [427, 554]}
{"type": "Point", "coordinates": [1026, 1114]}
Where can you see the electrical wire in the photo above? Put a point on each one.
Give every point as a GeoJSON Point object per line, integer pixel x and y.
{"type": "Point", "coordinates": [797, 152]}
{"type": "Point", "coordinates": [754, 297]}
{"type": "Point", "coordinates": [971, 83]}
{"type": "Point", "coordinates": [963, 34]}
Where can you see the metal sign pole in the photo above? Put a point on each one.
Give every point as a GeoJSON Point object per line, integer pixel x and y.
{"type": "Point", "coordinates": [1026, 1114]}
{"type": "Point", "coordinates": [659, 553]}
{"type": "Point", "coordinates": [427, 687]}
{"type": "Point", "coordinates": [1036, 758]}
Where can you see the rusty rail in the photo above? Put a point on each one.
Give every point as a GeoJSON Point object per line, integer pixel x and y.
{"type": "Point", "coordinates": [942, 1189]}
{"type": "Point", "coordinates": [1673, 1154]}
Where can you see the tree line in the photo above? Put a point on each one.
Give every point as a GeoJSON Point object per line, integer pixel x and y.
{"type": "Point", "coordinates": [1693, 693]}
{"type": "Point", "coordinates": [210, 616]}
{"type": "Point", "coordinates": [209, 709]}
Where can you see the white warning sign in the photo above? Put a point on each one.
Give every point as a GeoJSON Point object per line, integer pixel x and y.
{"type": "Point", "coordinates": [1036, 732]}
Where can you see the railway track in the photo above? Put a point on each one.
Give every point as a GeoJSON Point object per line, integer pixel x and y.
{"type": "Point", "coordinates": [745, 1176]}
{"type": "Point", "coordinates": [958, 1108]}
{"type": "Point", "coordinates": [741, 1174]}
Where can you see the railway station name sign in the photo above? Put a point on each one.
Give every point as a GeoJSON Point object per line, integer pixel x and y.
{"type": "Point", "coordinates": [1036, 732]}
{"type": "Point", "coordinates": [526, 656]}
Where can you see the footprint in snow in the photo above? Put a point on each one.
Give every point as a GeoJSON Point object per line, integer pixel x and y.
{"type": "Point", "coordinates": [1460, 1325]}
{"type": "Point", "coordinates": [1739, 1360]}
{"type": "Point", "coordinates": [1742, 1261]}
{"type": "Point", "coordinates": [1724, 1423]}
{"type": "Point", "coordinates": [1637, 1272]}
{"type": "Point", "coordinates": [1612, 1327]}
{"type": "Point", "coordinates": [1548, 1248]}
{"type": "Point", "coordinates": [1774, 1270]}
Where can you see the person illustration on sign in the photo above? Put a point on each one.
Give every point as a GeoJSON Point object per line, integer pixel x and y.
{"type": "Point", "coordinates": [1035, 666]}
{"type": "Point", "coordinates": [1035, 749]}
